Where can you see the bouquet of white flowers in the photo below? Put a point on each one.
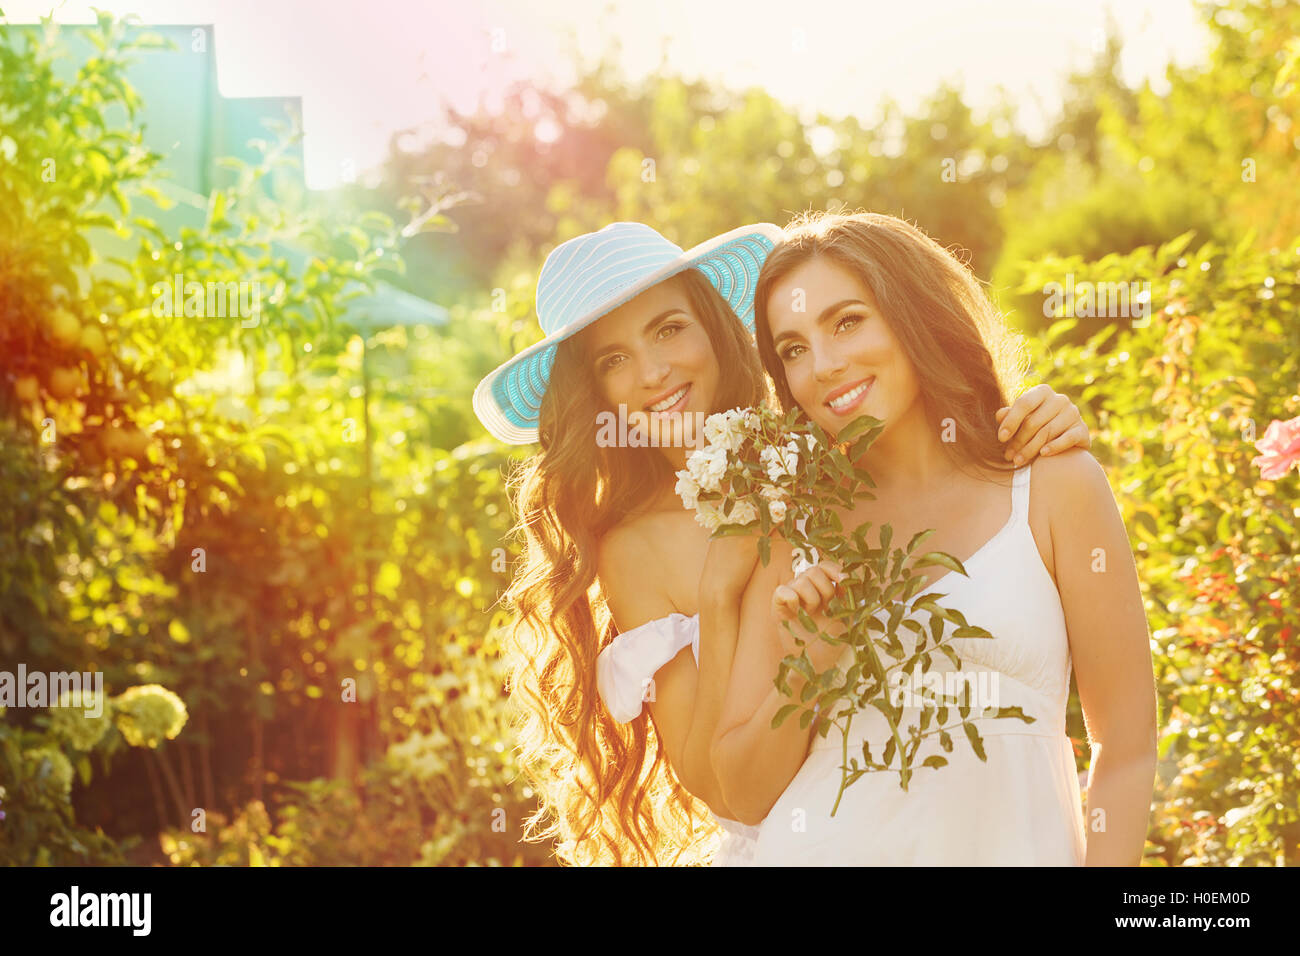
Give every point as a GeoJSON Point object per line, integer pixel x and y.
{"type": "Point", "coordinates": [761, 471]}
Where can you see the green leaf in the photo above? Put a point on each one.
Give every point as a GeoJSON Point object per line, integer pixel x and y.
{"type": "Point", "coordinates": [1016, 711]}
{"type": "Point", "coordinates": [859, 426]}
{"type": "Point", "coordinates": [917, 538]}
{"type": "Point", "coordinates": [976, 741]}
{"type": "Point", "coordinates": [806, 620]}
{"type": "Point", "coordinates": [934, 760]}
{"type": "Point", "coordinates": [782, 713]}
{"type": "Point", "coordinates": [940, 559]}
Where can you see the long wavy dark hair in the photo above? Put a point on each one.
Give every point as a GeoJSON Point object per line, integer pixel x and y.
{"type": "Point", "coordinates": [601, 798]}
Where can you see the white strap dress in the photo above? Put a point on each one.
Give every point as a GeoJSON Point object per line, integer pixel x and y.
{"type": "Point", "coordinates": [1021, 807]}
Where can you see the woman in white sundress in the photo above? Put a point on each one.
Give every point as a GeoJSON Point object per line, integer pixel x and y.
{"type": "Point", "coordinates": [893, 327]}
{"type": "Point", "coordinates": [617, 579]}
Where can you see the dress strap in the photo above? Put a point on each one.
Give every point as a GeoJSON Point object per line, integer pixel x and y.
{"type": "Point", "coordinates": [1020, 495]}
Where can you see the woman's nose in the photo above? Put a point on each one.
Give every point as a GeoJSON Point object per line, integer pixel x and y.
{"type": "Point", "coordinates": [826, 364]}
{"type": "Point", "coordinates": [654, 371]}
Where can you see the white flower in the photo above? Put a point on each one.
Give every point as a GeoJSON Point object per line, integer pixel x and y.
{"type": "Point", "coordinates": [708, 514]}
{"type": "Point", "coordinates": [687, 489]}
{"type": "Point", "coordinates": [703, 467]}
{"type": "Point", "coordinates": [771, 460]}
{"type": "Point", "coordinates": [743, 512]}
{"type": "Point", "coordinates": [780, 462]}
{"type": "Point", "coordinates": [726, 429]}
{"type": "Point", "coordinates": [715, 466]}
{"type": "Point", "coordinates": [777, 510]}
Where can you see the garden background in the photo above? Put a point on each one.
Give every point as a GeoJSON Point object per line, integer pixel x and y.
{"type": "Point", "coordinates": [283, 540]}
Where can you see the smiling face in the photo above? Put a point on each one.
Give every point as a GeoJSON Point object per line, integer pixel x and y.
{"type": "Point", "coordinates": [654, 355]}
{"type": "Point", "coordinates": [840, 357]}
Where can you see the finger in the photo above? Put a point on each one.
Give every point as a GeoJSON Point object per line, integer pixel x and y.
{"type": "Point", "coordinates": [832, 567]}
{"type": "Point", "coordinates": [785, 602]}
{"type": "Point", "coordinates": [1032, 448]}
{"type": "Point", "coordinates": [809, 596]}
{"type": "Point", "coordinates": [823, 582]}
{"type": "Point", "coordinates": [1071, 424]}
{"type": "Point", "coordinates": [1077, 436]}
{"type": "Point", "coordinates": [1036, 426]}
{"type": "Point", "coordinates": [1021, 407]}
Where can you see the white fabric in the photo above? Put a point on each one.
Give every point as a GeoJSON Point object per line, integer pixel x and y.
{"type": "Point", "coordinates": [1022, 807]}
{"type": "Point", "coordinates": [624, 673]}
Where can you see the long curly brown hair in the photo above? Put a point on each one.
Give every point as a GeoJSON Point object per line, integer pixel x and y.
{"type": "Point", "coordinates": [606, 792]}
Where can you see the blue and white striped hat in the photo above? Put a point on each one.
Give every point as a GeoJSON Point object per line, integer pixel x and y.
{"type": "Point", "coordinates": [594, 274]}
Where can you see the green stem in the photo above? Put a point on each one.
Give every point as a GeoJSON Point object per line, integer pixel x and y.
{"type": "Point", "coordinates": [844, 765]}
{"type": "Point", "coordinates": [880, 675]}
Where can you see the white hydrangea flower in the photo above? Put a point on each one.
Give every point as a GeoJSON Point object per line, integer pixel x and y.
{"type": "Point", "coordinates": [777, 509]}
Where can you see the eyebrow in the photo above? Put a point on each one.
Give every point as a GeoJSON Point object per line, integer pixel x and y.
{"type": "Point", "coordinates": [826, 314]}
{"type": "Point", "coordinates": [645, 328]}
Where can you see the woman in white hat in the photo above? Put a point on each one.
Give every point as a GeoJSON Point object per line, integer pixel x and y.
{"type": "Point", "coordinates": [617, 579]}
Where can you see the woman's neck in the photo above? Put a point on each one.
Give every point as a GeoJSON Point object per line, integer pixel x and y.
{"type": "Point", "coordinates": [908, 455]}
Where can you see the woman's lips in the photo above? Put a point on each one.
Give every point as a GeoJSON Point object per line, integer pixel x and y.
{"type": "Point", "coordinates": [857, 401]}
{"type": "Point", "coordinates": [676, 406]}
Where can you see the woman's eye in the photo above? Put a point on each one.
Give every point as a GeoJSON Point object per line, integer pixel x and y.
{"type": "Point", "coordinates": [610, 363]}
{"type": "Point", "coordinates": [848, 322]}
{"type": "Point", "coordinates": [791, 352]}
{"type": "Point", "coordinates": [670, 328]}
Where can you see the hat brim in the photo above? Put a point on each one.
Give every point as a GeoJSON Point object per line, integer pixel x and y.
{"type": "Point", "coordinates": [508, 399]}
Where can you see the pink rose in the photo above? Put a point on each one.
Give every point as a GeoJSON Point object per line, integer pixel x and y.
{"type": "Point", "coordinates": [1281, 448]}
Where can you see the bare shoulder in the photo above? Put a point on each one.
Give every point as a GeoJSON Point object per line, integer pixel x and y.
{"type": "Point", "coordinates": [1068, 494]}
{"type": "Point", "coordinates": [624, 546]}
{"type": "Point", "coordinates": [622, 554]}
{"type": "Point", "coordinates": [616, 551]}
{"type": "Point", "coordinates": [1070, 479]}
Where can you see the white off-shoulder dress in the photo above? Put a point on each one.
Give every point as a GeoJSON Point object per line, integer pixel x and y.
{"type": "Point", "coordinates": [623, 672]}
{"type": "Point", "coordinates": [1021, 807]}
